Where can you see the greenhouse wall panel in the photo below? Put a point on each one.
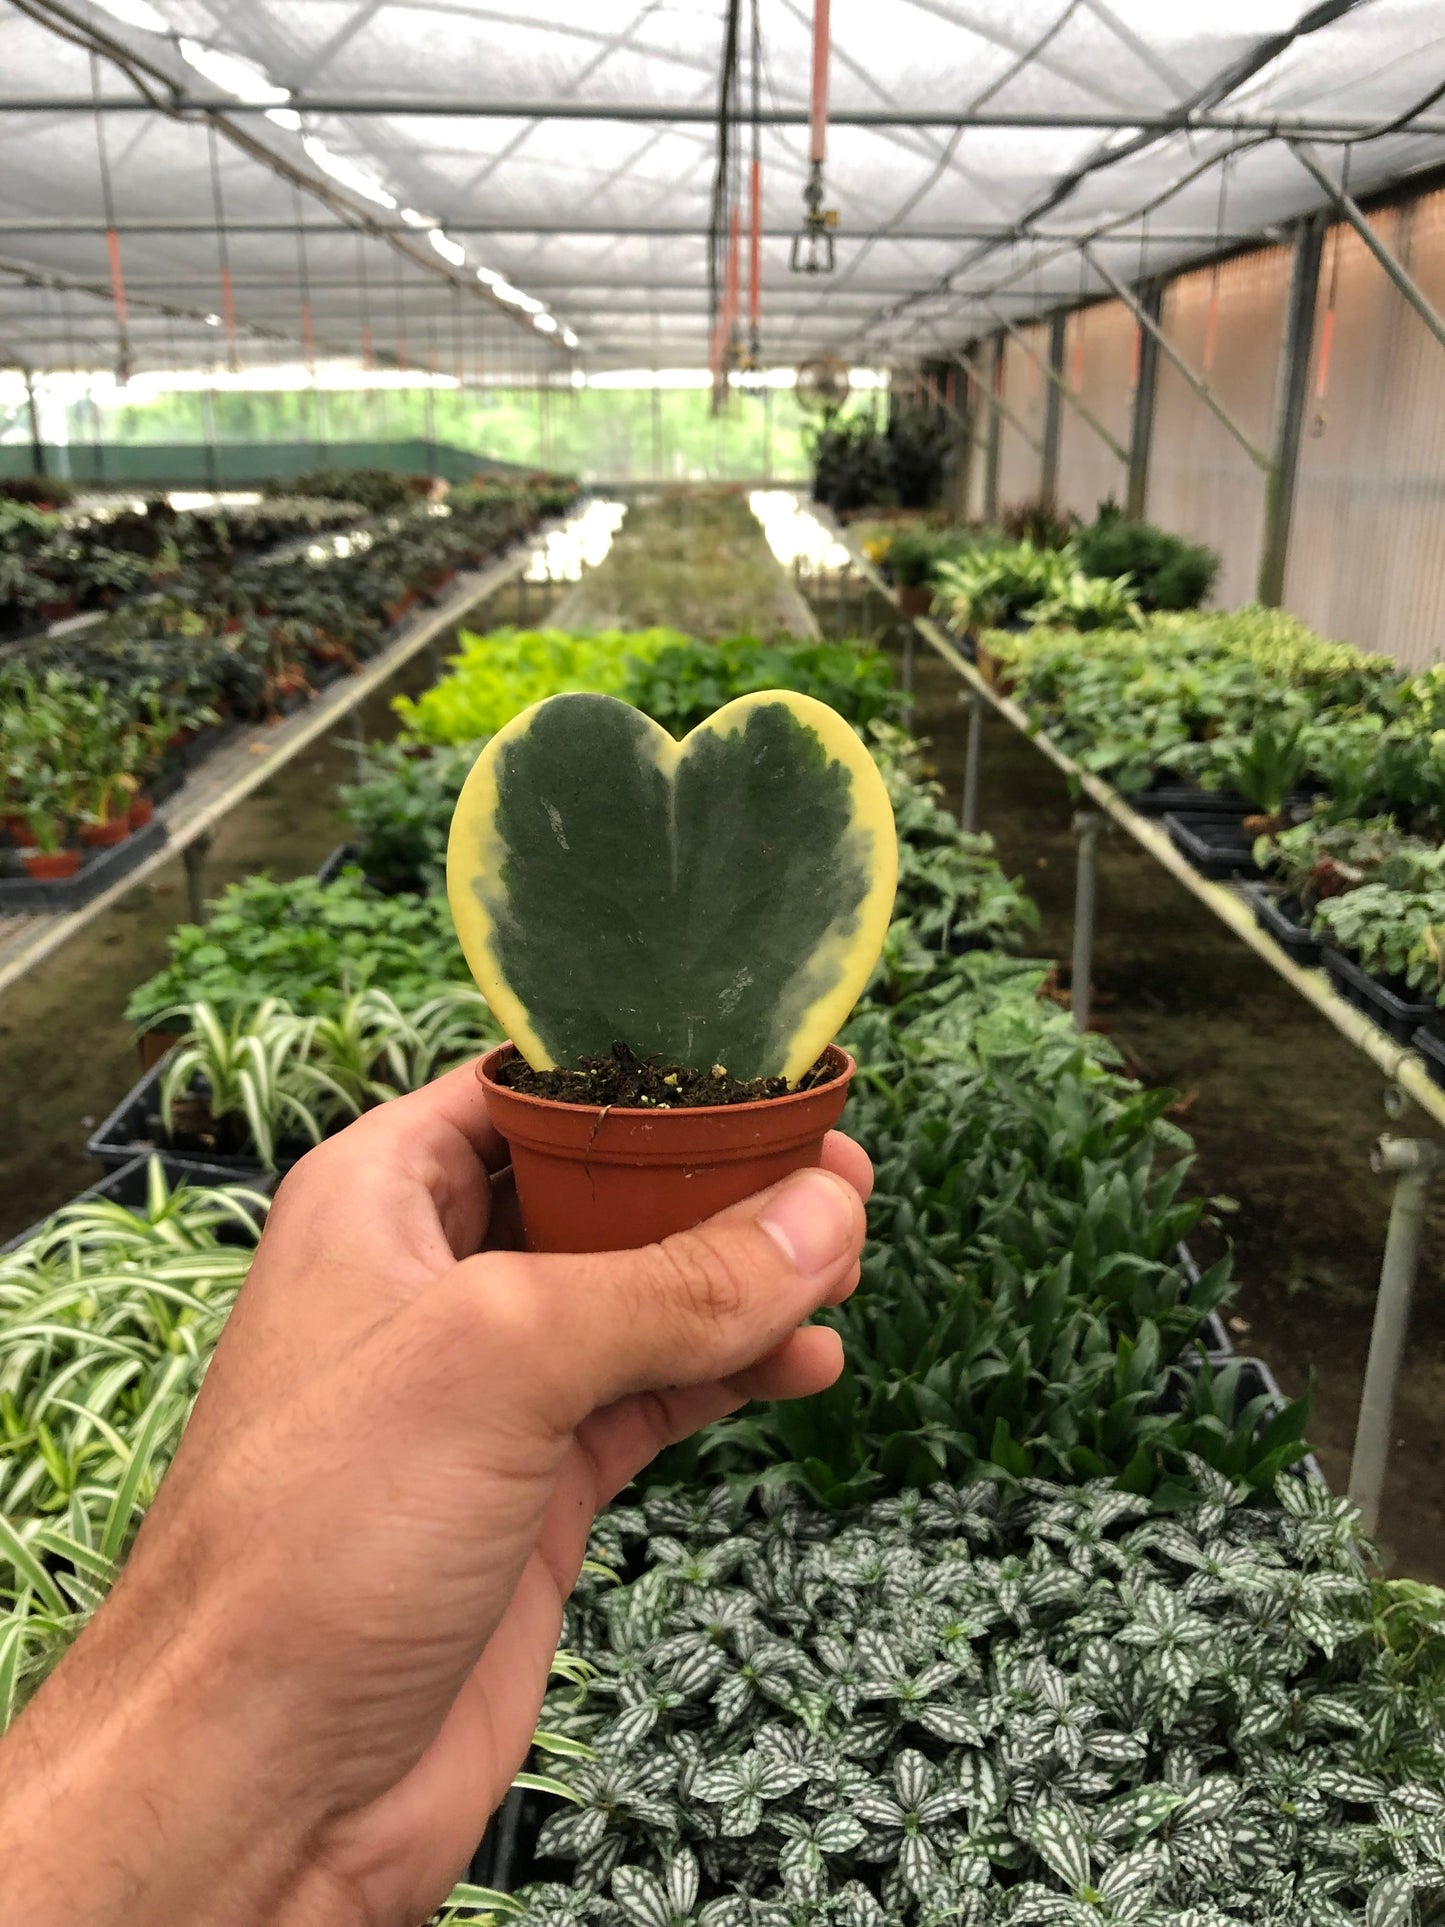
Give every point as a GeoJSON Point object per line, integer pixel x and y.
{"type": "Point", "coordinates": [1098, 366]}
{"type": "Point", "coordinates": [1024, 391]}
{"type": "Point", "coordinates": [1201, 481]}
{"type": "Point", "coordinates": [1367, 549]}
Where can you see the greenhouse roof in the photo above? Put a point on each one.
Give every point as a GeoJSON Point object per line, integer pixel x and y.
{"type": "Point", "coordinates": [353, 164]}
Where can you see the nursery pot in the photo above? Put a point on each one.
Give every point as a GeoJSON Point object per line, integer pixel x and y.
{"type": "Point", "coordinates": [141, 811]}
{"type": "Point", "coordinates": [50, 866]}
{"type": "Point", "coordinates": [595, 1179]}
{"type": "Point", "coordinates": [915, 599]}
{"type": "Point", "coordinates": [101, 836]}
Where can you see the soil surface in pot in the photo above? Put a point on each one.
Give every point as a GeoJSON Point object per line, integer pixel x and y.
{"type": "Point", "coordinates": [624, 1081]}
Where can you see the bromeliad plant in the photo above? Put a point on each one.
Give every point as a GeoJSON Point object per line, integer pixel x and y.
{"type": "Point", "coordinates": [971, 1706]}
{"type": "Point", "coordinates": [715, 902]}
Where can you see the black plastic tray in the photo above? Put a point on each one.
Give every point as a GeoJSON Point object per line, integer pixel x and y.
{"type": "Point", "coordinates": [133, 1131]}
{"type": "Point", "coordinates": [98, 870]}
{"type": "Point", "coordinates": [127, 1185]}
{"type": "Point", "coordinates": [1399, 1017]}
{"type": "Point", "coordinates": [1186, 799]}
{"type": "Point", "coordinates": [1216, 845]}
{"type": "Point", "coordinates": [1298, 942]}
{"type": "Point", "coordinates": [332, 865]}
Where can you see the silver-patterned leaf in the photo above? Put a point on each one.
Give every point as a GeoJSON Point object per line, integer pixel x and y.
{"type": "Point", "coordinates": [949, 1723]}
{"type": "Point", "coordinates": [641, 1897]}
{"type": "Point", "coordinates": [911, 1775]}
{"type": "Point", "coordinates": [682, 1881]}
{"type": "Point", "coordinates": [1062, 1841]}
{"type": "Point", "coordinates": [1390, 1902]}
{"type": "Point", "coordinates": [917, 1862]}
{"type": "Point", "coordinates": [1212, 1799]}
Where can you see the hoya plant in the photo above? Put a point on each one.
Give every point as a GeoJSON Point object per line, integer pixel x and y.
{"type": "Point", "coordinates": [719, 901]}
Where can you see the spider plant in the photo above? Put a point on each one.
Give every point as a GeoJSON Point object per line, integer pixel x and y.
{"type": "Point", "coordinates": [250, 1068]}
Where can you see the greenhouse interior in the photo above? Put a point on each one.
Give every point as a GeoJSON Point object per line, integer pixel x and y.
{"type": "Point", "coordinates": [932, 1412]}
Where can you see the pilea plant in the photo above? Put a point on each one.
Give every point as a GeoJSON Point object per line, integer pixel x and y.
{"type": "Point", "coordinates": [967, 1706]}
{"type": "Point", "coordinates": [718, 902]}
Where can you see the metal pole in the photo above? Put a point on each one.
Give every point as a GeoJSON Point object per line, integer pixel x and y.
{"type": "Point", "coordinates": [1053, 411]}
{"type": "Point", "coordinates": [973, 756]}
{"type": "Point", "coordinates": [995, 429]}
{"type": "Point", "coordinates": [1141, 423]}
{"type": "Point", "coordinates": [1088, 825]}
{"type": "Point", "coordinates": [1291, 399]}
{"type": "Point", "coordinates": [1355, 215]}
{"type": "Point", "coordinates": [1412, 1162]}
{"type": "Point", "coordinates": [37, 446]}
{"type": "Point", "coordinates": [996, 406]}
{"type": "Point", "coordinates": [1152, 328]}
{"type": "Point", "coordinates": [194, 857]}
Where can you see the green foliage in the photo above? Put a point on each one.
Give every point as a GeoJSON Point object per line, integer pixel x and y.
{"type": "Point", "coordinates": [992, 585]}
{"type": "Point", "coordinates": [312, 943]}
{"type": "Point", "coordinates": [1167, 572]}
{"type": "Point", "coordinates": [401, 810]}
{"type": "Point", "coordinates": [495, 677]}
{"type": "Point", "coordinates": [902, 463]}
{"type": "Point", "coordinates": [682, 682]}
{"type": "Point", "coordinates": [376, 490]}
{"type": "Point", "coordinates": [958, 1706]}
{"type": "Point", "coordinates": [916, 550]}
{"type": "Point", "coordinates": [1396, 933]}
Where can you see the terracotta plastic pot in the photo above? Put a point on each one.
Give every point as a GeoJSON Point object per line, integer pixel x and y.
{"type": "Point", "coordinates": [915, 599]}
{"type": "Point", "coordinates": [101, 836]}
{"type": "Point", "coordinates": [50, 866]}
{"type": "Point", "coordinates": [590, 1179]}
{"type": "Point", "coordinates": [142, 809]}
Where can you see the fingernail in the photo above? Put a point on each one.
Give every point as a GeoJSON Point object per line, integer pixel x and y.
{"type": "Point", "coordinates": [811, 1220]}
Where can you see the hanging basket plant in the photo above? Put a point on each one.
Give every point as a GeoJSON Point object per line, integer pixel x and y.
{"type": "Point", "coordinates": [672, 933]}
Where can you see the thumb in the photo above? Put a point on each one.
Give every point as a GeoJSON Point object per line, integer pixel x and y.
{"type": "Point", "coordinates": [702, 1305]}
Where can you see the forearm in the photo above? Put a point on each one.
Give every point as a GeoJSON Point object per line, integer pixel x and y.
{"type": "Point", "coordinates": [147, 1783]}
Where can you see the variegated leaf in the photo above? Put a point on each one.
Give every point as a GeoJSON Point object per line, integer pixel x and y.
{"type": "Point", "coordinates": [641, 1897]}
{"type": "Point", "coordinates": [1062, 1842]}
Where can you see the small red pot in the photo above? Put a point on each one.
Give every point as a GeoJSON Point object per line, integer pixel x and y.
{"type": "Point", "coordinates": [915, 599]}
{"type": "Point", "coordinates": [102, 836]}
{"type": "Point", "coordinates": [50, 866]}
{"type": "Point", "coordinates": [142, 809]}
{"type": "Point", "coordinates": [590, 1179]}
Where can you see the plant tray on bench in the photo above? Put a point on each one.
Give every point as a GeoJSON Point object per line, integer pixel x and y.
{"type": "Point", "coordinates": [20, 895]}
{"type": "Point", "coordinates": [1397, 1013]}
{"type": "Point", "coordinates": [134, 1130]}
{"type": "Point", "coordinates": [1217, 846]}
{"type": "Point", "coordinates": [1214, 1338]}
{"type": "Point", "coordinates": [1278, 916]}
{"type": "Point", "coordinates": [1431, 1046]}
{"type": "Point", "coordinates": [1166, 796]}
{"type": "Point", "coordinates": [127, 1185]}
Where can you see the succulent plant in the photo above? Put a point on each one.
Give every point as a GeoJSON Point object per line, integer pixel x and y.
{"type": "Point", "coordinates": [719, 901]}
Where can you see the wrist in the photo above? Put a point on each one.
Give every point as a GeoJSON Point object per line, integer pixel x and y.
{"type": "Point", "coordinates": [147, 1782]}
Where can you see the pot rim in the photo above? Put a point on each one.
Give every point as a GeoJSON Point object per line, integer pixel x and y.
{"type": "Point", "coordinates": [844, 1067]}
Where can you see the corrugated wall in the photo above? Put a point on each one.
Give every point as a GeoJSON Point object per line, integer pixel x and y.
{"type": "Point", "coordinates": [1201, 482]}
{"type": "Point", "coordinates": [1099, 366]}
{"type": "Point", "coordinates": [1019, 470]}
{"type": "Point", "coordinates": [1367, 551]}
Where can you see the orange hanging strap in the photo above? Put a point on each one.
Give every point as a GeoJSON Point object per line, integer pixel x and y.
{"type": "Point", "coordinates": [732, 287]}
{"type": "Point", "coordinates": [117, 278]}
{"type": "Point", "coordinates": [818, 141]}
{"type": "Point", "coordinates": [1327, 346]}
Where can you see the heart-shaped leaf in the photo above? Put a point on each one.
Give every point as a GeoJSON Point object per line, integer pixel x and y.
{"type": "Point", "coordinates": [716, 901]}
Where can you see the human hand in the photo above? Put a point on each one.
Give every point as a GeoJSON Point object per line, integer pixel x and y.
{"type": "Point", "coordinates": [324, 1660]}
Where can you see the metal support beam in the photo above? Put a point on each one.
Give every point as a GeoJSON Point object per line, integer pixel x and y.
{"type": "Point", "coordinates": [1141, 420]}
{"type": "Point", "coordinates": [1156, 333]}
{"type": "Point", "coordinates": [1412, 1162]}
{"type": "Point", "coordinates": [1088, 827]}
{"type": "Point", "coordinates": [383, 224]}
{"type": "Point", "coordinates": [37, 444]}
{"type": "Point", "coordinates": [1053, 411]}
{"type": "Point", "coordinates": [1356, 217]}
{"type": "Point", "coordinates": [1291, 398]}
{"type": "Point", "coordinates": [1059, 386]}
{"type": "Point", "coordinates": [961, 420]}
{"type": "Point", "coordinates": [973, 758]}
{"type": "Point", "coordinates": [698, 114]}
{"type": "Point", "coordinates": [997, 410]}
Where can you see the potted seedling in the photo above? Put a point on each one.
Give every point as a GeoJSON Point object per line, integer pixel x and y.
{"type": "Point", "coordinates": [47, 816]}
{"type": "Point", "coordinates": [671, 933]}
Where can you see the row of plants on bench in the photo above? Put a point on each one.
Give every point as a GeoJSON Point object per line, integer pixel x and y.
{"type": "Point", "coordinates": [1039, 566]}
{"type": "Point", "coordinates": [54, 565]}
